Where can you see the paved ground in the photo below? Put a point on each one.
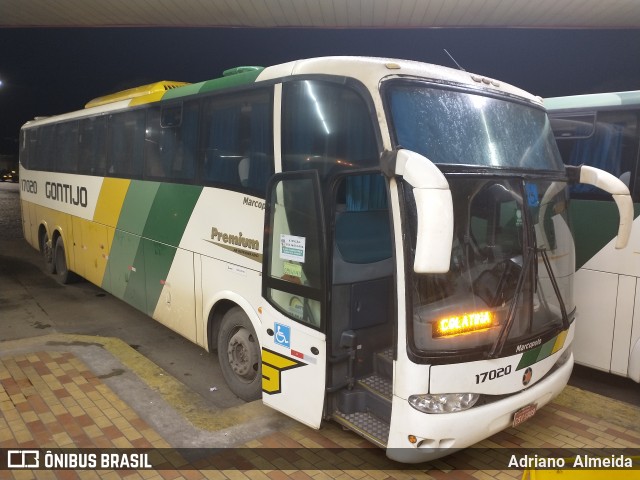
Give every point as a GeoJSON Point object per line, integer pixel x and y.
{"type": "Point", "coordinates": [60, 389]}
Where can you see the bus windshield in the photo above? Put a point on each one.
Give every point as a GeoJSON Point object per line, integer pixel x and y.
{"type": "Point", "coordinates": [510, 278]}
{"type": "Point", "coordinates": [512, 263]}
{"type": "Point", "coordinates": [465, 128]}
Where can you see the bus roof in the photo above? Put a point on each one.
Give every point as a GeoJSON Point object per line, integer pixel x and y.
{"type": "Point", "coordinates": [593, 101]}
{"type": "Point", "coordinates": [368, 70]}
{"type": "Point", "coordinates": [230, 78]}
{"type": "Point", "coordinates": [142, 94]}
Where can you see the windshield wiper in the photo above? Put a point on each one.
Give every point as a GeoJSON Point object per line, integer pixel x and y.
{"type": "Point", "coordinates": [556, 289]}
{"type": "Point", "coordinates": [498, 345]}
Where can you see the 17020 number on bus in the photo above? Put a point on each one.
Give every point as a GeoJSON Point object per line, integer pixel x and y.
{"type": "Point", "coordinates": [493, 374]}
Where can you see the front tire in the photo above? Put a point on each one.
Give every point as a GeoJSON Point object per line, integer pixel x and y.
{"type": "Point", "coordinates": [239, 355]}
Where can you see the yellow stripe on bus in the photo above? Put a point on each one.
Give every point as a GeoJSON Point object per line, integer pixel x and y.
{"type": "Point", "coordinates": [273, 364]}
{"type": "Point", "coordinates": [110, 201]}
{"type": "Point", "coordinates": [278, 361]}
{"type": "Point", "coordinates": [559, 341]}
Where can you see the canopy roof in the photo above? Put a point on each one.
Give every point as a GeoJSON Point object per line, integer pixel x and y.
{"type": "Point", "coordinates": [322, 13]}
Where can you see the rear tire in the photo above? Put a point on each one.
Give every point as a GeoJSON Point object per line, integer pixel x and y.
{"type": "Point", "coordinates": [63, 274]}
{"type": "Point", "coordinates": [46, 248]}
{"type": "Point", "coordinates": [239, 355]}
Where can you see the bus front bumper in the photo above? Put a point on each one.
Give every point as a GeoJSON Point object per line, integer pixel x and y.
{"type": "Point", "coordinates": [438, 435]}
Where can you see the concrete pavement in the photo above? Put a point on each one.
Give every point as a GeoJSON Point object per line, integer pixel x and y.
{"type": "Point", "coordinates": [64, 390]}
{"type": "Point", "coordinates": [72, 391]}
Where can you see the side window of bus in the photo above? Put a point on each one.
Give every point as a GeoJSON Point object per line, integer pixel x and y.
{"type": "Point", "coordinates": [125, 145]}
{"type": "Point", "coordinates": [24, 147]}
{"type": "Point", "coordinates": [92, 146]}
{"type": "Point", "coordinates": [325, 126]}
{"type": "Point", "coordinates": [66, 147]}
{"type": "Point", "coordinates": [362, 226]}
{"type": "Point", "coordinates": [43, 160]}
{"type": "Point", "coordinates": [606, 140]}
{"type": "Point", "coordinates": [236, 146]}
{"type": "Point", "coordinates": [28, 146]}
{"type": "Point", "coordinates": [170, 142]}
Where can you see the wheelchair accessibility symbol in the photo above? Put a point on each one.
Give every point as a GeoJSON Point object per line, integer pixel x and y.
{"type": "Point", "coordinates": [282, 335]}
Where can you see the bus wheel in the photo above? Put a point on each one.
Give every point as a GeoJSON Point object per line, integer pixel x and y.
{"type": "Point", "coordinates": [239, 355]}
{"type": "Point", "coordinates": [46, 248]}
{"type": "Point", "coordinates": [63, 274]}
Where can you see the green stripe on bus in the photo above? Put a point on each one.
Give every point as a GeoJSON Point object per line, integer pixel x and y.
{"type": "Point", "coordinates": [153, 220]}
{"type": "Point", "coordinates": [137, 203]}
{"type": "Point", "coordinates": [595, 223]}
{"type": "Point", "coordinates": [135, 293]}
{"type": "Point", "coordinates": [122, 262]}
{"type": "Point", "coordinates": [166, 224]}
{"type": "Point", "coordinates": [158, 258]}
{"type": "Point", "coordinates": [229, 81]}
{"type": "Point", "coordinates": [541, 352]}
{"type": "Point", "coordinates": [170, 212]}
{"type": "Point", "coordinates": [528, 358]}
{"type": "Point", "coordinates": [546, 349]}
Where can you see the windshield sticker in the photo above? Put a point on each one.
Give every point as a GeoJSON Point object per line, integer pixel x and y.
{"type": "Point", "coordinates": [282, 336]}
{"type": "Point", "coordinates": [543, 351]}
{"type": "Point", "coordinates": [532, 195]}
{"type": "Point", "coordinates": [292, 248]}
{"type": "Point", "coordinates": [296, 308]}
{"type": "Point", "coordinates": [292, 269]}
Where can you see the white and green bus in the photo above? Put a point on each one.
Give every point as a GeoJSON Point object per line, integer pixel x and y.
{"type": "Point", "coordinates": [379, 242]}
{"type": "Point", "coordinates": [603, 130]}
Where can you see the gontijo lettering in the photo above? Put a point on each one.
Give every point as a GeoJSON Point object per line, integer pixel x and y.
{"type": "Point", "coordinates": [63, 192]}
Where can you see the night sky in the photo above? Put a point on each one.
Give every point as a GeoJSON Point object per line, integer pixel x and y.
{"type": "Point", "coordinates": [49, 71]}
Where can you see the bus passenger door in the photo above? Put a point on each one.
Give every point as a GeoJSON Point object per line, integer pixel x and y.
{"type": "Point", "coordinates": [294, 289]}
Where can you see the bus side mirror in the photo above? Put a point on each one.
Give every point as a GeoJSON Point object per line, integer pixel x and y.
{"type": "Point", "coordinates": [612, 185]}
{"type": "Point", "coordinates": [435, 211]}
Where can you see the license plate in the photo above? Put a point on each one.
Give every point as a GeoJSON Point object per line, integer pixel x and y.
{"type": "Point", "coordinates": [524, 414]}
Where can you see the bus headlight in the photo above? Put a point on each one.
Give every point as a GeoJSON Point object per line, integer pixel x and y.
{"type": "Point", "coordinates": [443, 403]}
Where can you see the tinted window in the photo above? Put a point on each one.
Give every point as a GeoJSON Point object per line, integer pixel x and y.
{"type": "Point", "coordinates": [611, 144]}
{"type": "Point", "coordinates": [28, 147]}
{"type": "Point", "coordinates": [66, 147]}
{"type": "Point", "coordinates": [44, 147]}
{"type": "Point", "coordinates": [92, 145]}
{"type": "Point", "coordinates": [236, 147]}
{"type": "Point", "coordinates": [170, 146]}
{"type": "Point", "coordinates": [326, 126]}
{"type": "Point", "coordinates": [126, 142]}
{"type": "Point", "coordinates": [457, 127]}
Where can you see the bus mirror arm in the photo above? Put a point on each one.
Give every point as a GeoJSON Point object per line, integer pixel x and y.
{"type": "Point", "coordinates": [612, 185]}
{"type": "Point", "coordinates": [434, 206]}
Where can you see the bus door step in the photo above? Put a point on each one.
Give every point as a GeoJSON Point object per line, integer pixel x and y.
{"type": "Point", "coordinates": [366, 425]}
{"type": "Point", "coordinates": [383, 363]}
{"type": "Point", "coordinates": [377, 385]}
{"type": "Point", "coordinates": [367, 409]}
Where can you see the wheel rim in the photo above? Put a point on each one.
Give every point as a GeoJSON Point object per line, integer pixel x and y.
{"type": "Point", "coordinates": [243, 354]}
